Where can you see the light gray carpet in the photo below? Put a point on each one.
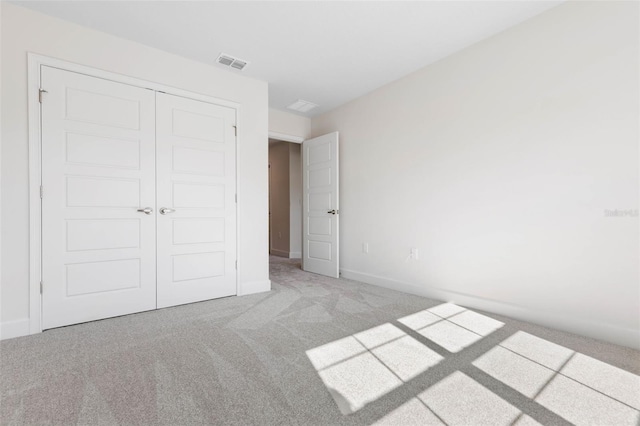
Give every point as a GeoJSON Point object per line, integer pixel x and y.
{"type": "Point", "coordinates": [243, 361]}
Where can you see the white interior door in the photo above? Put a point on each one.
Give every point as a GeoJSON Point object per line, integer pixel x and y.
{"type": "Point", "coordinates": [196, 200]}
{"type": "Point", "coordinates": [98, 170]}
{"type": "Point", "coordinates": [320, 228]}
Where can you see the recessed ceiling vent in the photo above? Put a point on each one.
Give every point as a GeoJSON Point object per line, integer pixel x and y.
{"type": "Point", "coordinates": [230, 61]}
{"type": "Point", "coordinates": [302, 106]}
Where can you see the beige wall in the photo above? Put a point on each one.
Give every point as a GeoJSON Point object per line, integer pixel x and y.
{"type": "Point", "coordinates": [499, 163]}
{"type": "Point", "coordinates": [27, 31]}
{"type": "Point", "coordinates": [279, 198]}
{"type": "Point", "coordinates": [285, 123]}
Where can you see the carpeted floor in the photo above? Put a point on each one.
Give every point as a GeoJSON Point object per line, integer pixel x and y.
{"type": "Point", "coordinates": [316, 351]}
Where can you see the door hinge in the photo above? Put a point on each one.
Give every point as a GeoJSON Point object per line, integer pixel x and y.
{"type": "Point", "coordinates": [40, 92]}
{"type": "Point", "coordinates": [40, 287]}
{"type": "Point", "coordinates": [236, 265]}
{"type": "Point", "coordinates": [235, 129]}
{"type": "Point", "coordinates": [41, 191]}
{"type": "Point", "coordinates": [236, 198]}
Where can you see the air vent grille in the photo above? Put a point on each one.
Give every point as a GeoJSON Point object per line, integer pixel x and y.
{"type": "Point", "coordinates": [238, 64]}
{"type": "Point", "coordinates": [230, 61]}
{"type": "Point", "coordinates": [225, 60]}
{"type": "Point", "coordinates": [302, 106]}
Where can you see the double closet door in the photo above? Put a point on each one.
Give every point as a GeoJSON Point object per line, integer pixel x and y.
{"type": "Point", "coordinates": [138, 200]}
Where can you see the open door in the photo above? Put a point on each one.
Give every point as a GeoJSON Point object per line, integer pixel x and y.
{"type": "Point", "coordinates": [320, 249]}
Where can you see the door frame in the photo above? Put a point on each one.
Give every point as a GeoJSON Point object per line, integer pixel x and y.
{"type": "Point", "coordinates": [286, 138]}
{"type": "Point", "coordinates": [35, 62]}
{"type": "Point", "coordinates": [298, 140]}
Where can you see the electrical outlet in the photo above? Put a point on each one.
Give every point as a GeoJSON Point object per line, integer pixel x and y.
{"type": "Point", "coordinates": [365, 248]}
{"type": "Point", "coordinates": [414, 253]}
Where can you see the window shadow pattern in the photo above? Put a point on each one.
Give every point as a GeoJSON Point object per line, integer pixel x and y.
{"type": "Point", "coordinates": [541, 381]}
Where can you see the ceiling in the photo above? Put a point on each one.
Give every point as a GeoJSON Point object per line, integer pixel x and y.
{"type": "Point", "coordinates": [325, 52]}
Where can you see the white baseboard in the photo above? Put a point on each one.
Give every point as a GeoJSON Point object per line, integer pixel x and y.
{"type": "Point", "coordinates": [253, 287]}
{"type": "Point", "coordinates": [280, 253]}
{"type": "Point", "coordinates": [295, 255]}
{"type": "Point", "coordinates": [18, 328]}
{"type": "Point", "coordinates": [11, 329]}
{"type": "Point", "coordinates": [582, 326]}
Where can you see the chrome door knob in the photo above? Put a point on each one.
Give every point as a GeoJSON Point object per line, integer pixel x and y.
{"type": "Point", "coordinates": [146, 210]}
{"type": "Point", "coordinates": [166, 210]}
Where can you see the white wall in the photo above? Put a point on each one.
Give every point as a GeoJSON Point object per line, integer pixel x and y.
{"type": "Point", "coordinates": [295, 201]}
{"type": "Point", "coordinates": [283, 123]}
{"type": "Point", "coordinates": [1, 333]}
{"type": "Point", "coordinates": [498, 164]}
{"type": "Point", "coordinates": [279, 198]}
{"type": "Point", "coordinates": [27, 31]}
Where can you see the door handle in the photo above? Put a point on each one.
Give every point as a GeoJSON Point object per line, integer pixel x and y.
{"type": "Point", "coordinates": [146, 210]}
{"type": "Point", "coordinates": [166, 210]}
{"type": "Point", "coordinates": [333, 212]}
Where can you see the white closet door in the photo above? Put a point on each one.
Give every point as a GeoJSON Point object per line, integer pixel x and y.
{"type": "Point", "coordinates": [98, 169]}
{"type": "Point", "coordinates": [196, 178]}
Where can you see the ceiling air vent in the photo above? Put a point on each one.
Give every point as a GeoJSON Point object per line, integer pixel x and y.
{"type": "Point", "coordinates": [237, 64]}
{"type": "Point", "coordinates": [302, 106]}
{"type": "Point", "coordinates": [230, 61]}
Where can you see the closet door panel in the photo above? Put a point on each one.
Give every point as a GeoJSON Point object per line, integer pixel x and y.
{"type": "Point", "coordinates": [196, 187]}
{"type": "Point", "coordinates": [98, 170]}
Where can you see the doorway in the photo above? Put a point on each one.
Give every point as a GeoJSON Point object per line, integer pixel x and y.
{"type": "Point", "coordinates": [285, 199]}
